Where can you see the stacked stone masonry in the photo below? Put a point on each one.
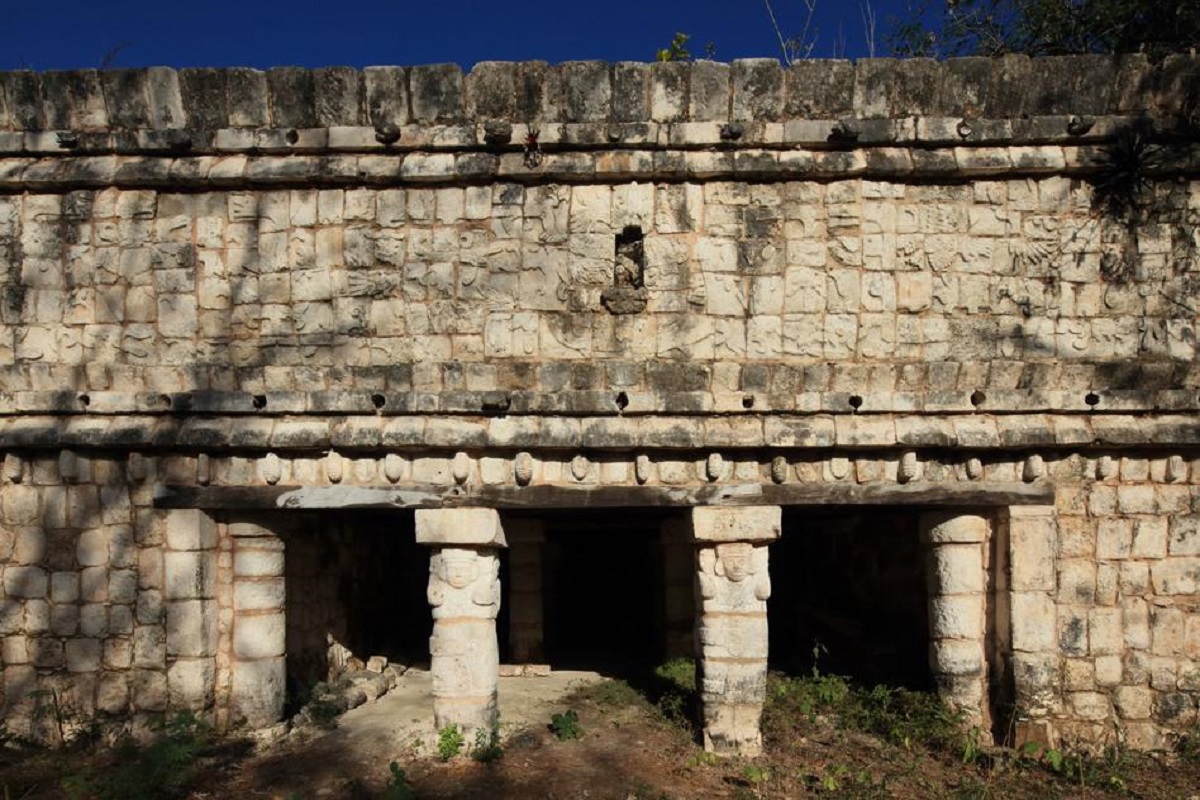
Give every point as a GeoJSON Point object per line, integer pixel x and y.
{"type": "Point", "coordinates": [231, 300]}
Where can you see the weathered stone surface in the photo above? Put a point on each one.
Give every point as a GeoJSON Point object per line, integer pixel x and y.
{"type": "Point", "coordinates": [464, 591]}
{"type": "Point", "coordinates": [751, 524]}
{"type": "Point", "coordinates": [460, 527]}
{"type": "Point", "coordinates": [692, 284]}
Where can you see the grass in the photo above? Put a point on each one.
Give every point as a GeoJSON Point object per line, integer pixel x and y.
{"type": "Point", "coordinates": [157, 771]}
{"type": "Point", "coordinates": [899, 716]}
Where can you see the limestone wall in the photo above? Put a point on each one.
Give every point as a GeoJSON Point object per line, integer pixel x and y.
{"type": "Point", "coordinates": [875, 280]}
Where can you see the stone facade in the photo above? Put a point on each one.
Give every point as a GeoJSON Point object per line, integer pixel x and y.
{"type": "Point", "coordinates": [233, 300]}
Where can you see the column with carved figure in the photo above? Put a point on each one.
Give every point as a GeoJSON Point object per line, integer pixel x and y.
{"type": "Point", "coordinates": [464, 593]}
{"type": "Point", "coordinates": [733, 585]}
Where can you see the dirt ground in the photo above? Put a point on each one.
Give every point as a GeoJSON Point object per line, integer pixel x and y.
{"type": "Point", "coordinates": [628, 749]}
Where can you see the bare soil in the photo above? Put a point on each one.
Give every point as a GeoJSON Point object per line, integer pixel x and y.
{"type": "Point", "coordinates": [627, 750]}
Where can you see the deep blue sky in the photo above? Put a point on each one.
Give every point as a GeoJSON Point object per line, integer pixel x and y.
{"type": "Point", "coordinates": [72, 34]}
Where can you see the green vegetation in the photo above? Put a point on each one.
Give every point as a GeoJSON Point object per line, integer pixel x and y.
{"type": "Point", "coordinates": [565, 726]}
{"type": "Point", "coordinates": [676, 50]}
{"type": "Point", "coordinates": [487, 745]}
{"type": "Point", "coordinates": [450, 742]}
{"type": "Point", "coordinates": [398, 787]}
{"type": "Point", "coordinates": [899, 716]}
{"type": "Point", "coordinates": [162, 769]}
{"type": "Point", "coordinates": [674, 691]}
{"type": "Point", "coordinates": [1046, 27]}
{"type": "Point", "coordinates": [610, 693]}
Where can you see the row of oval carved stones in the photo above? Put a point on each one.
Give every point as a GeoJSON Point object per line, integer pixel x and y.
{"type": "Point", "coordinates": [715, 468]}
{"type": "Point", "coordinates": [395, 467]}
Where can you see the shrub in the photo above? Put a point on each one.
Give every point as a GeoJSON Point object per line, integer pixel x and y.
{"type": "Point", "coordinates": [566, 726]}
{"type": "Point", "coordinates": [450, 742]}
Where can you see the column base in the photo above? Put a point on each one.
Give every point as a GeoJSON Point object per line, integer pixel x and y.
{"type": "Point", "coordinates": [732, 729]}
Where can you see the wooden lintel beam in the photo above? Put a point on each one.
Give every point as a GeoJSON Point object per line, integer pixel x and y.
{"type": "Point", "coordinates": [980, 494]}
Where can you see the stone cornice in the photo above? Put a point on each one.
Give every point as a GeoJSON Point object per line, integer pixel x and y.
{"type": "Point", "coordinates": [749, 90]}
{"type": "Point", "coordinates": [372, 434]}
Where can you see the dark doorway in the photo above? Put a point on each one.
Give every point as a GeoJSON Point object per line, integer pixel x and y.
{"type": "Point", "coordinates": [355, 580]}
{"type": "Point", "coordinates": [849, 596]}
{"type": "Point", "coordinates": [604, 596]}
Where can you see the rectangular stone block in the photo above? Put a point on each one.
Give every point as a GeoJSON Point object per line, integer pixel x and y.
{"type": "Point", "coordinates": [191, 683]}
{"type": "Point", "coordinates": [258, 691]}
{"type": "Point", "coordinates": [478, 527]}
{"type": "Point", "coordinates": [264, 593]}
{"type": "Point", "coordinates": [191, 628]}
{"type": "Point", "coordinates": [264, 559]}
{"type": "Point", "coordinates": [190, 574]}
{"type": "Point", "coordinates": [190, 529]}
{"type": "Point", "coordinates": [259, 635]}
{"type": "Point", "coordinates": [742, 524]}
{"type": "Point", "coordinates": [1033, 622]}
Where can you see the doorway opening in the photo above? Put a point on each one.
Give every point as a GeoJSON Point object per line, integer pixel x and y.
{"type": "Point", "coordinates": [849, 596]}
{"type": "Point", "coordinates": [356, 583]}
{"type": "Point", "coordinates": [606, 591]}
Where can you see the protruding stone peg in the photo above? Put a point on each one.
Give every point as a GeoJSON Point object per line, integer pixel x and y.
{"type": "Point", "coordinates": [271, 468]}
{"type": "Point", "coordinates": [461, 468]}
{"type": "Point", "coordinates": [579, 467]}
{"type": "Point", "coordinates": [779, 469]}
{"type": "Point", "coordinates": [14, 468]}
{"type": "Point", "coordinates": [714, 466]}
{"type": "Point", "coordinates": [1033, 469]}
{"type": "Point", "coordinates": [523, 468]}
{"type": "Point", "coordinates": [1176, 469]}
{"type": "Point", "coordinates": [641, 468]}
{"type": "Point", "coordinates": [839, 467]}
{"type": "Point", "coordinates": [393, 467]}
{"type": "Point", "coordinates": [974, 468]}
{"type": "Point", "coordinates": [909, 469]}
{"type": "Point", "coordinates": [335, 467]}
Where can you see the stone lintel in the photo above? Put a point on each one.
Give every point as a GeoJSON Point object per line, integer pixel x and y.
{"type": "Point", "coordinates": [747, 524]}
{"type": "Point", "coordinates": [454, 527]}
{"type": "Point", "coordinates": [975, 494]}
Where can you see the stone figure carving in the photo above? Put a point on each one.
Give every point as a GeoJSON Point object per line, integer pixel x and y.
{"type": "Point", "coordinates": [464, 591]}
{"type": "Point", "coordinates": [734, 586]}
{"type": "Point", "coordinates": [464, 582]}
{"type": "Point", "coordinates": [734, 575]}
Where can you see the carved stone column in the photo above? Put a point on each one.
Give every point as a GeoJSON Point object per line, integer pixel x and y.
{"type": "Point", "coordinates": [464, 592]}
{"type": "Point", "coordinates": [957, 580]}
{"type": "Point", "coordinates": [733, 584]}
{"type": "Point", "coordinates": [526, 632]}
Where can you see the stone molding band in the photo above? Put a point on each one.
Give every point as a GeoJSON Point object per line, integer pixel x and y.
{"type": "Point", "coordinates": [745, 90]}
{"type": "Point", "coordinates": [236, 172]}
